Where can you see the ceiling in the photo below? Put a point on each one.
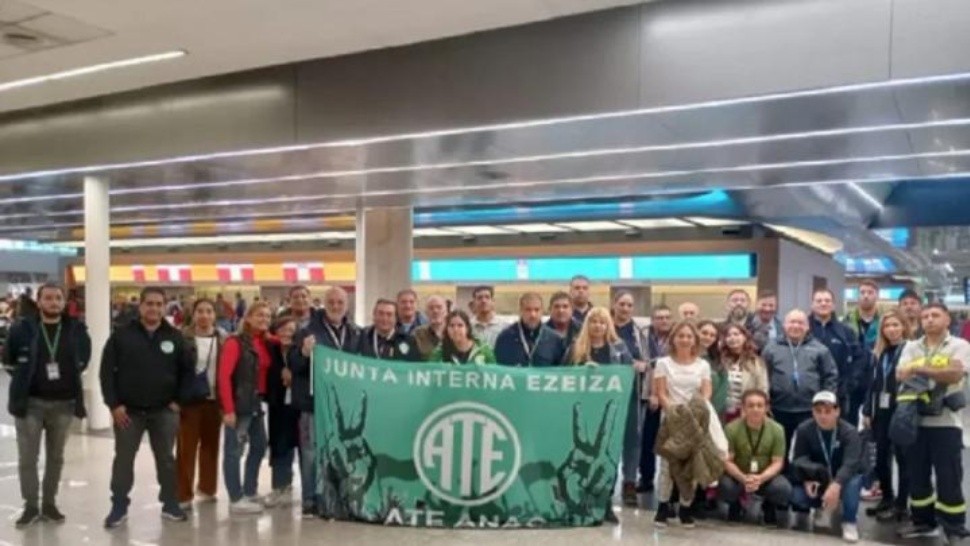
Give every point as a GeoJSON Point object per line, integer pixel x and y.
{"type": "Point", "coordinates": [224, 36]}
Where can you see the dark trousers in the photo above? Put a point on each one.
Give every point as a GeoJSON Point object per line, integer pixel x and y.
{"type": "Point", "coordinates": [852, 404]}
{"type": "Point", "coordinates": [648, 459]}
{"type": "Point", "coordinates": [938, 450]}
{"type": "Point", "coordinates": [284, 443]}
{"type": "Point", "coordinates": [162, 426]}
{"type": "Point", "coordinates": [885, 452]}
{"type": "Point", "coordinates": [790, 421]}
{"type": "Point", "coordinates": [49, 420]}
{"type": "Point", "coordinates": [777, 491]}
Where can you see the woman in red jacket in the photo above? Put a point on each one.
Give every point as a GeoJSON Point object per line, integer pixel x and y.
{"type": "Point", "coordinates": [243, 368]}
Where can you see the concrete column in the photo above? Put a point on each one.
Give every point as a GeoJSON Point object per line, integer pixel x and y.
{"type": "Point", "coordinates": [385, 246]}
{"type": "Point", "coordinates": [97, 292]}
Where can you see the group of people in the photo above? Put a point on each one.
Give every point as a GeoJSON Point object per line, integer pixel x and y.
{"type": "Point", "coordinates": [780, 398]}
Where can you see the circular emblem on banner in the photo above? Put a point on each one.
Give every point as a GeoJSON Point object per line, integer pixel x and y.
{"type": "Point", "coordinates": [167, 347]}
{"type": "Point", "coordinates": [467, 453]}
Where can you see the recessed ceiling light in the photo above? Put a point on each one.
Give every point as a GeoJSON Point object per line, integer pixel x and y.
{"type": "Point", "coordinates": [655, 223]}
{"type": "Point", "coordinates": [479, 230]}
{"type": "Point", "coordinates": [92, 69]}
{"type": "Point", "coordinates": [593, 226]}
{"type": "Point", "coordinates": [535, 228]}
{"type": "Point", "coordinates": [433, 232]}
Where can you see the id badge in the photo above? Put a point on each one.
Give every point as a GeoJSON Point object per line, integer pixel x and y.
{"type": "Point", "coordinates": [884, 400]}
{"type": "Point", "coordinates": [288, 397]}
{"type": "Point", "coordinates": [53, 371]}
{"type": "Point", "coordinates": [754, 467]}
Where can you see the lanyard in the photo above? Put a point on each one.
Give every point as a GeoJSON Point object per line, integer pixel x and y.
{"type": "Point", "coordinates": [338, 341]}
{"type": "Point", "coordinates": [794, 357]}
{"type": "Point", "coordinates": [529, 352]}
{"type": "Point", "coordinates": [755, 445]}
{"type": "Point", "coordinates": [829, 452]}
{"type": "Point", "coordinates": [888, 358]}
{"type": "Point", "coordinates": [927, 354]}
{"type": "Point", "coordinates": [52, 347]}
{"type": "Point", "coordinates": [378, 353]}
{"type": "Point", "coordinates": [471, 356]}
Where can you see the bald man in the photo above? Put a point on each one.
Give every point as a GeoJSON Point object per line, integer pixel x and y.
{"type": "Point", "coordinates": [428, 337]}
{"type": "Point", "coordinates": [529, 342]}
{"type": "Point", "coordinates": [689, 311]}
{"type": "Point", "coordinates": [799, 367]}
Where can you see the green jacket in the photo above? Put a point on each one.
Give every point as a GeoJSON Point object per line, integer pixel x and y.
{"type": "Point", "coordinates": [852, 321]}
{"type": "Point", "coordinates": [480, 354]}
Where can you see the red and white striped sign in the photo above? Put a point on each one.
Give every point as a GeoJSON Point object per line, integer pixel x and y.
{"type": "Point", "coordinates": [174, 273]}
{"type": "Point", "coordinates": [138, 273]}
{"type": "Point", "coordinates": [236, 272]}
{"type": "Point", "coordinates": [308, 272]}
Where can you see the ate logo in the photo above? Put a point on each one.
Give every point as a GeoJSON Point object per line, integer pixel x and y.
{"type": "Point", "coordinates": [467, 453]}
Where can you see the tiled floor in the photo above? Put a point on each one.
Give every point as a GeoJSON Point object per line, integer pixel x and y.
{"type": "Point", "coordinates": [84, 499]}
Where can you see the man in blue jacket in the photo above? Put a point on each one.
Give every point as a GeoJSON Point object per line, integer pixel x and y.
{"type": "Point", "coordinates": [528, 342]}
{"type": "Point", "coordinates": [46, 355]}
{"type": "Point", "coordinates": [848, 354]}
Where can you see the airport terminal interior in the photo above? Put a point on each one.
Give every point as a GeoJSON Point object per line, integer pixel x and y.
{"type": "Point", "coordinates": [681, 164]}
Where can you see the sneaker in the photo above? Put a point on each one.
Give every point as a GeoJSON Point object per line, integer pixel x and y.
{"type": "Point", "coordinates": [896, 513]}
{"type": "Point", "coordinates": [872, 494]}
{"type": "Point", "coordinates": [309, 512]}
{"type": "Point", "coordinates": [769, 514]}
{"type": "Point", "coordinates": [174, 513]}
{"type": "Point", "coordinates": [30, 516]}
{"type": "Point", "coordinates": [116, 517]}
{"type": "Point", "coordinates": [186, 506]}
{"type": "Point", "coordinates": [663, 514]}
{"type": "Point", "coordinates": [256, 499]}
{"type": "Point", "coordinates": [277, 497]}
{"type": "Point", "coordinates": [686, 517]}
{"type": "Point", "coordinates": [52, 514]}
{"type": "Point", "coordinates": [884, 505]}
{"type": "Point", "coordinates": [918, 530]}
{"type": "Point", "coordinates": [610, 516]}
{"type": "Point", "coordinates": [245, 506]}
{"type": "Point", "coordinates": [735, 513]}
{"type": "Point", "coordinates": [204, 497]}
{"type": "Point", "coordinates": [850, 532]}
{"type": "Point", "coordinates": [630, 495]}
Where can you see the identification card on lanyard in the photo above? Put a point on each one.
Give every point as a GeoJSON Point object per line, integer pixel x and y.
{"type": "Point", "coordinates": [794, 358]}
{"type": "Point", "coordinates": [338, 341]}
{"type": "Point", "coordinates": [885, 397]}
{"type": "Point", "coordinates": [529, 353]}
{"type": "Point", "coordinates": [378, 352]}
{"type": "Point", "coordinates": [828, 452]}
{"type": "Point", "coordinates": [53, 368]}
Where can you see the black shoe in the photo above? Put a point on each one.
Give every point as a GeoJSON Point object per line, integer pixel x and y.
{"type": "Point", "coordinates": [686, 517]}
{"type": "Point", "coordinates": [894, 514]}
{"type": "Point", "coordinates": [957, 537]}
{"type": "Point", "coordinates": [30, 516]}
{"type": "Point", "coordinates": [610, 516]}
{"type": "Point", "coordinates": [884, 505]}
{"type": "Point", "coordinates": [735, 513]}
{"type": "Point", "coordinates": [918, 530]}
{"type": "Point", "coordinates": [770, 514]}
{"type": "Point", "coordinates": [51, 513]}
{"type": "Point", "coordinates": [698, 508]}
{"type": "Point", "coordinates": [663, 514]}
{"type": "Point", "coordinates": [309, 512]}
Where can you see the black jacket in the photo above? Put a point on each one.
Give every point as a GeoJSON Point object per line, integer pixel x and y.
{"type": "Point", "coordinates": [879, 384]}
{"type": "Point", "coordinates": [300, 365]}
{"type": "Point", "coordinates": [22, 354]}
{"type": "Point", "coordinates": [549, 350]}
{"type": "Point", "coordinates": [850, 357]}
{"type": "Point", "coordinates": [275, 391]}
{"type": "Point", "coordinates": [808, 458]}
{"type": "Point", "coordinates": [400, 346]}
{"type": "Point", "coordinates": [143, 371]}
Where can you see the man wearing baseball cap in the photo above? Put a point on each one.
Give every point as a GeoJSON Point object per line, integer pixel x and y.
{"type": "Point", "coordinates": [827, 466]}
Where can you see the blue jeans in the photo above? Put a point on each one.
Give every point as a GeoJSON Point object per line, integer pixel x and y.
{"type": "Point", "coordinates": [250, 430]}
{"type": "Point", "coordinates": [308, 462]}
{"type": "Point", "coordinates": [851, 493]}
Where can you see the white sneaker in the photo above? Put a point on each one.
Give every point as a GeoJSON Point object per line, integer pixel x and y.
{"type": "Point", "coordinates": [256, 499]}
{"type": "Point", "coordinates": [245, 506]}
{"type": "Point", "coordinates": [202, 497]}
{"type": "Point", "coordinates": [850, 532]}
{"type": "Point", "coordinates": [187, 506]}
{"type": "Point", "coordinates": [274, 498]}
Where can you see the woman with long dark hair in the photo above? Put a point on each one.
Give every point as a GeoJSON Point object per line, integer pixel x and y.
{"type": "Point", "coordinates": [878, 411]}
{"type": "Point", "coordinates": [199, 419]}
{"type": "Point", "coordinates": [743, 368]}
{"type": "Point", "coordinates": [459, 345]}
{"type": "Point", "coordinates": [243, 369]}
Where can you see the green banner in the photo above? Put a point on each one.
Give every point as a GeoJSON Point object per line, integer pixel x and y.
{"type": "Point", "coordinates": [436, 445]}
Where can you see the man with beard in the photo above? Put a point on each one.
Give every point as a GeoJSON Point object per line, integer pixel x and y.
{"type": "Point", "coordinates": [529, 342]}
{"type": "Point", "coordinates": [427, 338]}
{"type": "Point", "coordinates": [579, 294]}
{"type": "Point", "coordinates": [849, 357]}
{"type": "Point", "coordinates": [738, 303]}
{"type": "Point", "coordinates": [911, 306]}
{"type": "Point", "coordinates": [485, 325]}
{"type": "Point", "coordinates": [864, 319]}
{"type": "Point", "coordinates": [299, 307]}
{"type": "Point", "coordinates": [45, 355]}
{"type": "Point", "coordinates": [382, 340]}
{"type": "Point", "coordinates": [765, 326]}
{"type": "Point", "coordinates": [561, 318]}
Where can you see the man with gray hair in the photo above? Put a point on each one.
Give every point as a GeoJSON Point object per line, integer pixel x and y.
{"type": "Point", "coordinates": [428, 337]}
{"type": "Point", "coordinates": [799, 367]}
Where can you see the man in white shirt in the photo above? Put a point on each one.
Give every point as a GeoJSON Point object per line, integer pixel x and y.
{"type": "Point", "coordinates": [485, 325]}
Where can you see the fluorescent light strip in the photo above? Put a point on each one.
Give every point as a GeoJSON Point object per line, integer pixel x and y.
{"type": "Point", "coordinates": [224, 239]}
{"type": "Point", "coordinates": [523, 159]}
{"type": "Point", "coordinates": [93, 69]}
{"type": "Point", "coordinates": [596, 178]}
{"type": "Point", "coordinates": [886, 84]}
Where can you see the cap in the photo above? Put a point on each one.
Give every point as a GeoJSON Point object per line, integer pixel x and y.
{"type": "Point", "coordinates": [825, 397]}
{"type": "Point", "coordinates": [909, 293]}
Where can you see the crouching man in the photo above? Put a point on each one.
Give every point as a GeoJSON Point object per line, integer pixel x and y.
{"type": "Point", "coordinates": [827, 466]}
{"type": "Point", "coordinates": [756, 457]}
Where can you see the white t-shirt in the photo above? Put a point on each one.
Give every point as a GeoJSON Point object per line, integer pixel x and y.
{"type": "Point", "coordinates": [683, 380]}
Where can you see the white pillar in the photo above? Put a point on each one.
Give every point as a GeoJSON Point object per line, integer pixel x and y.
{"type": "Point", "coordinates": [384, 250]}
{"type": "Point", "coordinates": [97, 292]}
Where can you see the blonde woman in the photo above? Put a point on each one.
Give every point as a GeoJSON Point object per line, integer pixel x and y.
{"type": "Point", "coordinates": [677, 379]}
{"type": "Point", "coordinates": [744, 368]}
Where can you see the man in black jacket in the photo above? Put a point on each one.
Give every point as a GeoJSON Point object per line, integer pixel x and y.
{"type": "Point", "coordinates": [849, 355]}
{"type": "Point", "coordinates": [383, 340]}
{"type": "Point", "coordinates": [828, 465]}
{"type": "Point", "coordinates": [46, 355]}
{"type": "Point", "coordinates": [145, 373]}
